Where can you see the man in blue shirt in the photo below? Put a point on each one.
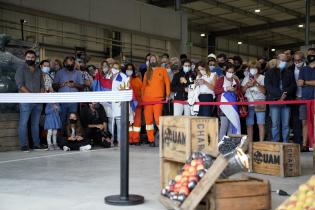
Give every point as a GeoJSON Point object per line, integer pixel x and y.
{"type": "Point", "coordinates": [68, 79]}
{"type": "Point", "coordinates": [307, 82]}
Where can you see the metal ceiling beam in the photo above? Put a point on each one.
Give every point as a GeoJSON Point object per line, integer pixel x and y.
{"type": "Point", "coordinates": [272, 5]}
{"type": "Point", "coordinates": [237, 10]}
{"type": "Point", "coordinates": [261, 27]}
{"type": "Point", "coordinates": [293, 45]}
{"type": "Point", "coordinates": [168, 3]}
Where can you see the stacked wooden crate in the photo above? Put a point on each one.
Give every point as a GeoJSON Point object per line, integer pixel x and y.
{"type": "Point", "coordinates": [9, 132]}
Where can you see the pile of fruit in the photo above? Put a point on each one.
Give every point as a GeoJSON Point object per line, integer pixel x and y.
{"type": "Point", "coordinates": [303, 199]}
{"type": "Point", "coordinates": [193, 170]}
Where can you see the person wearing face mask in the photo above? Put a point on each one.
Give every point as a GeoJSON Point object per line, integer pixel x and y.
{"type": "Point", "coordinates": [299, 63]}
{"type": "Point", "coordinates": [263, 63]}
{"type": "Point", "coordinates": [221, 60]}
{"type": "Point", "coordinates": [212, 63]}
{"type": "Point", "coordinates": [120, 82]}
{"type": "Point", "coordinates": [206, 81]}
{"type": "Point", "coordinates": [143, 67]}
{"type": "Point", "coordinates": [29, 80]}
{"type": "Point", "coordinates": [280, 86]}
{"type": "Point", "coordinates": [94, 121]}
{"type": "Point", "coordinates": [75, 139]}
{"type": "Point", "coordinates": [68, 79]}
{"type": "Point", "coordinates": [155, 88]}
{"type": "Point", "coordinates": [307, 82]}
{"type": "Point", "coordinates": [179, 86]}
{"type": "Point", "coordinates": [47, 77]}
{"type": "Point", "coordinates": [226, 90]}
{"type": "Point", "coordinates": [135, 85]}
{"type": "Point", "coordinates": [254, 89]}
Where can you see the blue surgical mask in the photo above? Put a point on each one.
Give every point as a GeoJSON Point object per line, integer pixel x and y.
{"type": "Point", "coordinates": [282, 65]}
{"type": "Point", "coordinates": [163, 65]}
{"type": "Point", "coordinates": [45, 69]}
{"type": "Point", "coordinates": [211, 67]}
{"type": "Point", "coordinates": [186, 69]}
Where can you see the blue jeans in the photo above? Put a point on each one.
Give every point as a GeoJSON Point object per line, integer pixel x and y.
{"type": "Point", "coordinates": [280, 114]}
{"type": "Point", "coordinates": [27, 111]}
{"type": "Point", "coordinates": [66, 109]}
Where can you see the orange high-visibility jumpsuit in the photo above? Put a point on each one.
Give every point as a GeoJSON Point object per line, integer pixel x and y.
{"type": "Point", "coordinates": [134, 129]}
{"type": "Point", "coordinates": [155, 89]}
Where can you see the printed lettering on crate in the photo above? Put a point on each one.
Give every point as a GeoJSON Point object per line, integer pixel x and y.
{"type": "Point", "coordinates": [278, 159]}
{"type": "Point", "coordinates": [179, 135]}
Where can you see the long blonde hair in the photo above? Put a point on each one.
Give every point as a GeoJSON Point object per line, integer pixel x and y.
{"type": "Point", "coordinates": [149, 71]}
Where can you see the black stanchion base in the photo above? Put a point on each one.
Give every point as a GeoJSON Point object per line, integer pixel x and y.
{"type": "Point", "coordinates": [117, 200]}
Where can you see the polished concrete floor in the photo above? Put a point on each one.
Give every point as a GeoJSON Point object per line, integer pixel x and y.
{"type": "Point", "coordinates": [80, 180]}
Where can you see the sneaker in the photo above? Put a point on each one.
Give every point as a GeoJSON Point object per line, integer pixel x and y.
{"type": "Point", "coordinates": [50, 148]}
{"type": "Point", "coordinates": [65, 148]}
{"type": "Point", "coordinates": [56, 147]}
{"type": "Point", "coordinates": [39, 148]}
{"type": "Point", "coordinates": [85, 148]}
{"type": "Point", "coordinates": [25, 149]}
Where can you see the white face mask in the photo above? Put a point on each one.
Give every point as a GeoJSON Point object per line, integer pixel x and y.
{"type": "Point", "coordinates": [147, 63]}
{"type": "Point", "coordinates": [253, 71]}
{"type": "Point", "coordinates": [186, 69]}
{"type": "Point", "coordinates": [115, 71]}
{"type": "Point", "coordinates": [129, 72]}
{"type": "Point", "coordinates": [229, 75]}
{"type": "Point", "coordinates": [299, 65]}
{"type": "Point", "coordinates": [211, 67]}
{"type": "Point", "coordinates": [169, 70]}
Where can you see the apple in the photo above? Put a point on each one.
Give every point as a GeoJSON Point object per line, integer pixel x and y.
{"type": "Point", "coordinates": [178, 178]}
{"type": "Point", "coordinates": [185, 173]}
{"type": "Point", "coordinates": [200, 167]}
{"type": "Point", "coordinates": [184, 190]}
{"type": "Point", "coordinates": [194, 163]}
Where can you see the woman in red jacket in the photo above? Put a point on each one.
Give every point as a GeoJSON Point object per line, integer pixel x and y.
{"type": "Point", "coordinates": [227, 88]}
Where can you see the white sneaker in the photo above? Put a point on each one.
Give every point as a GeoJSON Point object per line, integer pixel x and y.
{"type": "Point", "coordinates": [65, 148]}
{"type": "Point", "coordinates": [85, 148]}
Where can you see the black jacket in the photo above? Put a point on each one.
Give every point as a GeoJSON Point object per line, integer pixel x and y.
{"type": "Point", "coordinates": [178, 88]}
{"type": "Point", "coordinates": [272, 83]}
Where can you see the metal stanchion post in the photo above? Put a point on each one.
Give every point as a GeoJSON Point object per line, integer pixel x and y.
{"type": "Point", "coordinates": [124, 199]}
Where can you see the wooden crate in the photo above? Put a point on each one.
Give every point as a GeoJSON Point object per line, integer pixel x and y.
{"type": "Point", "coordinates": [278, 159]}
{"type": "Point", "coordinates": [182, 135]}
{"type": "Point", "coordinates": [247, 193]}
{"type": "Point", "coordinates": [9, 132]}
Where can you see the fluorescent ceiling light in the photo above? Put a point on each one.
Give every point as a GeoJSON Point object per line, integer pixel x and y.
{"type": "Point", "coordinates": [239, 42]}
{"type": "Point", "coordinates": [203, 35]}
{"type": "Point", "coordinates": [273, 49]}
{"type": "Point", "coordinates": [301, 26]}
{"type": "Point", "coordinates": [257, 10]}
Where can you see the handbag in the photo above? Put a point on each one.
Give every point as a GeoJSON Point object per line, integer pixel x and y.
{"type": "Point", "coordinates": [243, 109]}
{"type": "Point", "coordinates": [259, 107]}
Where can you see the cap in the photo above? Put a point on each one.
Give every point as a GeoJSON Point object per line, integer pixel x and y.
{"type": "Point", "coordinates": [211, 55]}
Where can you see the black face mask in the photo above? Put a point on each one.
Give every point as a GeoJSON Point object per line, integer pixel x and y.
{"type": "Point", "coordinates": [310, 59]}
{"type": "Point", "coordinates": [263, 65]}
{"type": "Point", "coordinates": [72, 121]}
{"type": "Point", "coordinates": [221, 65]}
{"type": "Point", "coordinates": [30, 62]}
{"type": "Point", "coordinates": [70, 67]}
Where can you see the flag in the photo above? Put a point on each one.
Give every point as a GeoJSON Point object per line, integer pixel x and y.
{"type": "Point", "coordinates": [231, 111]}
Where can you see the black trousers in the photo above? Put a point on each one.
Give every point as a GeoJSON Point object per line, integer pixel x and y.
{"type": "Point", "coordinates": [75, 145]}
{"type": "Point", "coordinates": [206, 110]}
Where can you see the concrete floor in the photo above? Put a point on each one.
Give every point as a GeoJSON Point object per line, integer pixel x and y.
{"type": "Point", "coordinates": [80, 180]}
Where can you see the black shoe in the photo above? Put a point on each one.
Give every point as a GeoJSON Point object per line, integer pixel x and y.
{"type": "Point", "coordinates": [305, 149]}
{"type": "Point", "coordinates": [25, 149]}
{"type": "Point", "coordinates": [152, 144]}
{"type": "Point", "coordinates": [39, 148]}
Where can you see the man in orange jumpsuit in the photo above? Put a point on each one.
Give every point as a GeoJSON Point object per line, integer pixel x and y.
{"type": "Point", "coordinates": [136, 85]}
{"type": "Point", "coordinates": [155, 88]}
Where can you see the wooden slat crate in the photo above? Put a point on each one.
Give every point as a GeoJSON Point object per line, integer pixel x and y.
{"type": "Point", "coordinates": [9, 132]}
{"type": "Point", "coordinates": [278, 159]}
{"type": "Point", "coordinates": [182, 135]}
{"type": "Point", "coordinates": [240, 194]}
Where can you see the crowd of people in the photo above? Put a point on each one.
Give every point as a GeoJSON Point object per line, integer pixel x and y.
{"type": "Point", "coordinates": [168, 86]}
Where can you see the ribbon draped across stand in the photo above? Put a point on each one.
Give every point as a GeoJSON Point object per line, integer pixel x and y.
{"type": "Point", "coordinates": [124, 199]}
